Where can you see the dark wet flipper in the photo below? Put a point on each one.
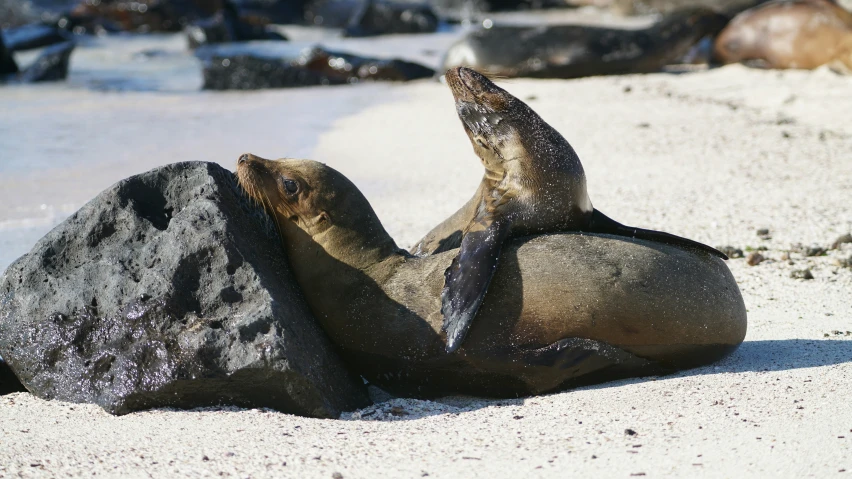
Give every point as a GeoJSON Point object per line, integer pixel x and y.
{"type": "Point", "coordinates": [601, 223]}
{"type": "Point", "coordinates": [468, 277]}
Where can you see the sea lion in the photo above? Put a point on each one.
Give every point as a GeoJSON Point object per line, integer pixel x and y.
{"type": "Point", "coordinates": [534, 183]}
{"type": "Point", "coordinates": [563, 308]}
{"type": "Point", "coordinates": [571, 51]}
{"type": "Point", "coordinates": [789, 34]}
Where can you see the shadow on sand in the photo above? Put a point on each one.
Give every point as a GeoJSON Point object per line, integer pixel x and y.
{"type": "Point", "coordinates": [751, 356]}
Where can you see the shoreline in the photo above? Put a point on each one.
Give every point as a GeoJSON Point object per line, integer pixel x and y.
{"type": "Point", "coordinates": [72, 144]}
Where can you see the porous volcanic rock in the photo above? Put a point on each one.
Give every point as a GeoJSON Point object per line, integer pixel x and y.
{"type": "Point", "coordinates": [169, 289]}
{"type": "Point", "coordinates": [258, 65]}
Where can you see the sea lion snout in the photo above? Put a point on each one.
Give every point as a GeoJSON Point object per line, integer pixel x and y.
{"type": "Point", "coordinates": [477, 82]}
{"type": "Point", "coordinates": [247, 159]}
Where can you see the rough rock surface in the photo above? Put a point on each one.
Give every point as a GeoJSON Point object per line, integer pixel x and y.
{"type": "Point", "coordinates": [169, 289]}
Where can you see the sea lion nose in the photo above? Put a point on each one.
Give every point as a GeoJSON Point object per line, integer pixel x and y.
{"type": "Point", "coordinates": [243, 158]}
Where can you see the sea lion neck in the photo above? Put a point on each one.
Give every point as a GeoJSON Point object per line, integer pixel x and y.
{"type": "Point", "coordinates": [319, 212]}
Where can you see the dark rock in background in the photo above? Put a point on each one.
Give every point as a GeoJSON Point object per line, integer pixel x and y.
{"type": "Point", "coordinates": [247, 67]}
{"type": "Point", "coordinates": [169, 289]}
{"type": "Point", "coordinates": [139, 15]}
{"type": "Point", "coordinates": [272, 11]}
{"type": "Point", "coordinates": [7, 63]}
{"type": "Point", "coordinates": [225, 27]}
{"type": "Point", "coordinates": [8, 381]}
{"type": "Point", "coordinates": [382, 18]}
{"type": "Point", "coordinates": [51, 65]}
{"type": "Point", "coordinates": [362, 18]}
{"type": "Point", "coordinates": [34, 35]}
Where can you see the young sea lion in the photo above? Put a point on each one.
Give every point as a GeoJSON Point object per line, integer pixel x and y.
{"type": "Point", "coordinates": [623, 307]}
{"type": "Point", "coordinates": [534, 183]}
{"type": "Point", "coordinates": [789, 34]}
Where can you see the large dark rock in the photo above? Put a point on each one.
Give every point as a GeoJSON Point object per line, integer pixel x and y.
{"type": "Point", "coordinates": [169, 289]}
{"type": "Point", "coordinates": [256, 66]}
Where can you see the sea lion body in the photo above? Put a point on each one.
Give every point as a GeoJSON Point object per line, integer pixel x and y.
{"type": "Point", "coordinates": [534, 183]}
{"type": "Point", "coordinates": [786, 34]}
{"type": "Point", "coordinates": [572, 51]}
{"type": "Point", "coordinates": [564, 309]}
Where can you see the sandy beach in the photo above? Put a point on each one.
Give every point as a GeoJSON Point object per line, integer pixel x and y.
{"type": "Point", "coordinates": [711, 155]}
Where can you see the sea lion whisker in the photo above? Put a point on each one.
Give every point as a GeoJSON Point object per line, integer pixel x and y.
{"type": "Point", "coordinates": [272, 212]}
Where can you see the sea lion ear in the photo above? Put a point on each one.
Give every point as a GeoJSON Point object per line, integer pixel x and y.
{"type": "Point", "coordinates": [466, 280]}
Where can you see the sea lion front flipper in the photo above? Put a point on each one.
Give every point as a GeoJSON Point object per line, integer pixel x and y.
{"type": "Point", "coordinates": [468, 277]}
{"type": "Point", "coordinates": [601, 223]}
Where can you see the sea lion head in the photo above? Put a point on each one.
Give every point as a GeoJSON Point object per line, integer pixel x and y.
{"type": "Point", "coordinates": [314, 204]}
{"type": "Point", "coordinates": [501, 127]}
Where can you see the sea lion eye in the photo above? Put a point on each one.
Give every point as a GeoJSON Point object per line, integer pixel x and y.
{"type": "Point", "coordinates": [290, 186]}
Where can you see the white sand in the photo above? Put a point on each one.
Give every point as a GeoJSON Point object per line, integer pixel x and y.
{"type": "Point", "coordinates": [710, 155]}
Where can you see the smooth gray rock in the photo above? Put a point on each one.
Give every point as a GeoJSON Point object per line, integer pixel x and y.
{"type": "Point", "coordinates": [169, 289]}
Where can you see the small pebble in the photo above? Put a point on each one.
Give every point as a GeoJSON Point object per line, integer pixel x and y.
{"type": "Point", "coordinates": [811, 250]}
{"type": "Point", "coordinates": [802, 274]}
{"type": "Point", "coordinates": [337, 475]}
{"type": "Point", "coordinates": [754, 258]}
{"type": "Point", "coordinates": [763, 233]}
{"type": "Point", "coordinates": [630, 432]}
